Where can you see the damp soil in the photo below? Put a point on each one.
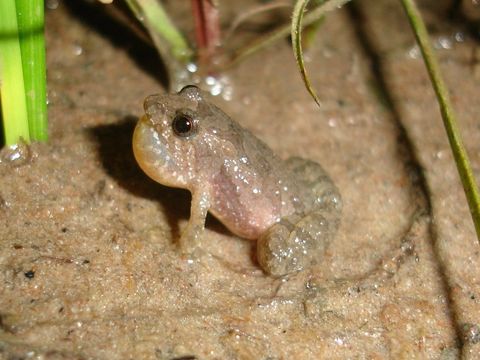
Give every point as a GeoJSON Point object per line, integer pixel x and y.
{"type": "Point", "coordinates": [89, 267]}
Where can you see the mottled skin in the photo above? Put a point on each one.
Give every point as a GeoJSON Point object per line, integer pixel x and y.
{"type": "Point", "coordinates": [291, 207]}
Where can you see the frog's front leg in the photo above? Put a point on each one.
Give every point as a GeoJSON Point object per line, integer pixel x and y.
{"type": "Point", "coordinates": [191, 236]}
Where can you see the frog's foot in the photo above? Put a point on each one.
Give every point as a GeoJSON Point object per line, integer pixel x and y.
{"type": "Point", "coordinates": [190, 240]}
{"type": "Point", "coordinates": [274, 254]}
{"type": "Point", "coordinates": [291, 245]}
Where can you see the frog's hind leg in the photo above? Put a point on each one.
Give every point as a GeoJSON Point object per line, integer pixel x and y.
{"type": "Point", "coordinates": [299, 240]}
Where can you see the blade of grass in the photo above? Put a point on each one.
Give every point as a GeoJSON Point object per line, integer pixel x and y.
{"type": "Point", "coordinates": [170, 43]}
{"type": "Point", "coordinates": [449, 119]}
{"type": "Point", "coordinates": [284, 31]}
{"type": "Point", "coordinates": [296, 33]}
{"type": "Point", "coordinates": [30, 18]}
{"type": "Point", "coordinates": [12, 91]}
{"type": "Point", "coordinates": [152, 14]}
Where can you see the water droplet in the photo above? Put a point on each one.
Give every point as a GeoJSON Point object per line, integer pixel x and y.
{"type": "Point", "coordinates": [414, 52]}
{"type": "Point", "coordinates": [459, 36]}
{"type": "Point", "coordinates": [16, 155]}
{"type": "Point", "coordinates": [443, 42]}
{"type": "Point", "coordinates": [192, 67]}
{"type": "Point", "coordinates": [210, 80]}
{"type": "Point", "coordinates": [332, 122]}
{"type": "Point", "coordinates": [440, 154]}
{"type": "Point", "coordinates": [77, 50]}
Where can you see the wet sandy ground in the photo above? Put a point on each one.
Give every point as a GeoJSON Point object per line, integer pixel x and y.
{"type": "Point", "coordinates": [88, 263]}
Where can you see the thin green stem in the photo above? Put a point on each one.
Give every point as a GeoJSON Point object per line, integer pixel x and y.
{"type": "Point", "coordinates": [449, 119]}
{"type": "Point", "coordinates": [170, 43]}
{"type": "Point", "coordinates": [31, 23]}
{"type": "Point", "coordinates": [12, 91]}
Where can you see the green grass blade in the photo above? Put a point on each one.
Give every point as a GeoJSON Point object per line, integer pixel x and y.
{"type": "Point", "coordinates": [153, 16]}
{"type": "Point", "coordinates": [12, 92]}
{"type": "Point", "coordinates": [296, 33]}
{"type": "Point", "coordinates": [448, 115]}
{"type": "Point", "coordinates": [31, 23]}
{"type": "Point", "coordinates": [169, 42]}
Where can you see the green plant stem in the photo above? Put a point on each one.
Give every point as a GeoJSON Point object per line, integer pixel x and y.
{"type": "Point", "coordinates": [12, 91]}
{"type": "Point", "coordinates": [170, 43]}
{"type": "Point", "coordinates": [284, 30]}
{"type": "Point", "coordinates": [30, 18]}
{"type": "Point", "coordinates": [446, 109]}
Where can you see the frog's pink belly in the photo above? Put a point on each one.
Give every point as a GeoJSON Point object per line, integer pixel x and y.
{"type": "Point", "coordinates": [244, 205]}
{"type": "Point", "coordinates": [245, 221]}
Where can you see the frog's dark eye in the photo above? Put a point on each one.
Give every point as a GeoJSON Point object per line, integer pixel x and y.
{"type": "Point", "coordinates": [183, 124]}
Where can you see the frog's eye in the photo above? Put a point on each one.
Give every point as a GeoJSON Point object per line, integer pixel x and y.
{"type": "Point", "coordinates": [183, 124]}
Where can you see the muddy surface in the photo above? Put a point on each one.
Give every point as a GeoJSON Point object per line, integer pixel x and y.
{"type": "Point", "coordinates": [88, 263]}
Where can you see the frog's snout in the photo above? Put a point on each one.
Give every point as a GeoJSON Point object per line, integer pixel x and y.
{"type": "Point", "coordinates": [154, 105]}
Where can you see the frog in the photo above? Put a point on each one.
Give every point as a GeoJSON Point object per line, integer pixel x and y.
{"type": "Point", "coordinates": [290, 207]}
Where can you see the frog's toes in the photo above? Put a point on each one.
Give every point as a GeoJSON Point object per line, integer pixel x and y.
{"type": "Point", "coordinates": [281, 252]}
{"type": "Point", "coordinates": [193, 255]}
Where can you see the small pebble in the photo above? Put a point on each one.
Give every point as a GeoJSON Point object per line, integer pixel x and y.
{"type": "Point", "coordinates": [30, 274]}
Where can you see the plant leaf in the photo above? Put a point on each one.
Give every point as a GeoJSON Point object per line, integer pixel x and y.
{"type": "Point", "coordinates": [296, 32]}
{"type": "Point", "coordinates": [448, 115]}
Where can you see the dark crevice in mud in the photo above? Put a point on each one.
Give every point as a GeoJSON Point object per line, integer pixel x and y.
{"type": "Point", "coordinates": [98, 17]}
{"type": "Point", "coordinates": [421, 193]}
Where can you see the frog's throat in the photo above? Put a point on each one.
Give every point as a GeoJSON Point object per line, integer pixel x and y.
{"type": "Point", "coordinates": [153, 156]}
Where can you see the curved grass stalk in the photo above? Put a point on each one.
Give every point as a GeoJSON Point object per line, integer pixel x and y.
{"type": "Point", "coordinates": [449, 119]}
{"type": "Point", "coordinates": [296, 33]}
{"type": "Point", "coordinates": [170, 43]}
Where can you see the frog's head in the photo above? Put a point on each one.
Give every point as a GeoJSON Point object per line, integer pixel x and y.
{"type": "Point", "coordinates": [176, 134]}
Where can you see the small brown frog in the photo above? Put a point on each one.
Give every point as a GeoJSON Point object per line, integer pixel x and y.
{"type": "Point", "coordinates": [291, 207]}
